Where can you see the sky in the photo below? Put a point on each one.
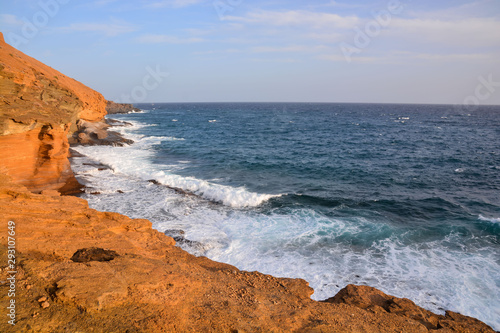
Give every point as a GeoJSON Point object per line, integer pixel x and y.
{"type": "Point", "coordinates": [391, 51]}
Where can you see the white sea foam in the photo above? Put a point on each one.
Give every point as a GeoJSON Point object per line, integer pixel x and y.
{"type": "Point", "coordinates": [490, 219]}
{"type": "Point", "coordinates": [229, 196]}
{"type": "Point", "coordinates": [134, 161]}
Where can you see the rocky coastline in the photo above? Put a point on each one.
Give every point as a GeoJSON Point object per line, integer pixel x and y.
{"type": "Point", "coordinates": [114, 108]}
{"type": "Point", "coordinates": [75, 269]}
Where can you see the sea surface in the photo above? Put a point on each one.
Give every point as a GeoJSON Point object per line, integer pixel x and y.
{"type": "Point", "coordinates": [404, 198]}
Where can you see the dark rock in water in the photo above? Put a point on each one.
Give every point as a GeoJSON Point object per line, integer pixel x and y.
{"type": "Point", "coordinates": [176, 189]}
{"type": "Point", "coordinates": [117, 123]}
{"type": "Point", "coordinates": [113, 108]}
{"type": "Point", "coordinates": [178, 236]}
{"type": "Point", "coordinates": [116, 139]}
{"type": "Point", "coordinates": [174, 233]}
{"type": "Point", "coordinates": [99, 166]}
{"type": "Point", "coordinates": [74, 153]}
{"type": "Point", "coordinates": [183, 241]}
{"type": "Point", "coordinates": [97, 133]}
{"type": "Point", "coordinates": [93, 254]}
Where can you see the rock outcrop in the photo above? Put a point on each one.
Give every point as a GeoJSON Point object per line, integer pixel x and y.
{"type": "Point", "coordinates": [375, 301]}
{"type": "Point", "coordinates": [98, 133]}
{"type": "Point", "coordinates": [39, 108]}
{"type": "Point", "coordinates": [80, 270]}
{"type": "Point", "coordinates": [114, 108]}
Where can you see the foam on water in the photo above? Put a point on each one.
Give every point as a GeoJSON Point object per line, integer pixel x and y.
{"type": "Point", "coordinates": [492, 220]}
{"type": "Point", "coordinates": [134, 160]}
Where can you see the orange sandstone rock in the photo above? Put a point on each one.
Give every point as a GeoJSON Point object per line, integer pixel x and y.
{"type": "Point", "coordinates": [33, 94]}
{"type": "Point", "coordinates": [376, 301]}
{"type": "Point", "coordinates": [39, 108]}
{"type": "Point", "coordinates": [38, 158]}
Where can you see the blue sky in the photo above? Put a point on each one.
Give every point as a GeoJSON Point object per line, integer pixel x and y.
{"type": "Point", "coordinates": [390, 51]}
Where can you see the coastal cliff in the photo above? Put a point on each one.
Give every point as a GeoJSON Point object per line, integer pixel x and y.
{"type": "Point", "coordinates": [39, 109]}
{"type": "Point", "coordinates": [75, 269]}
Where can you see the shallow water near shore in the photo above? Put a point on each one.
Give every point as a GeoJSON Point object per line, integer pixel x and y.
{"type": "Point", "coordinates": [404, 198]}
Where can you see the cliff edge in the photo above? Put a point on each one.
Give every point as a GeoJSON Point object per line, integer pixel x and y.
{"type": "Point", "coordinates": [39, 108]}
{"type": "Point", "coordinates": [80, 270]}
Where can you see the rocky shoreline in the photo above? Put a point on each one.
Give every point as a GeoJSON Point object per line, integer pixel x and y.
{"type": "Point", "coordinates": [115, 108]}
{"type": "Point", "coordinates": [80, 270]}
{"type": "Point", "coordinates": [75, 269]}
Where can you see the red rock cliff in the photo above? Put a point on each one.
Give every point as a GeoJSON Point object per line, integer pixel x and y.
{"type": "Point", "coordinates": [39, 107]}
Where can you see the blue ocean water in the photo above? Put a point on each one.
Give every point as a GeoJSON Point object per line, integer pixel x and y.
{"type": "Point", "coordinates": [404, 198]}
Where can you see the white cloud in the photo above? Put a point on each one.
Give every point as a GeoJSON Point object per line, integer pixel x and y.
{"type": "Point", "coordinates": [326, 37]}
{"type": "Point", "coordinates": [476, 8]}
{"type": "Point", "coordinates": [298, 18]}
{"type": "Point", "coordinates": [167, 39]}
{"type": "Point", "coordinates": [454, 57]}
{"type": "Point", "coordinates": [288, 49]}
{"type": "Point", "coordinates": [472, 32]}
{"type": "Point", "coordinates": [405, 57]}
{"type": "Point", "coordinates": [108, 29]}
{"type": "Point", "coordinates": [9, 19]}
{"type": "Point", "coordinates": [174, 3]}
{"type": "Point", "coordinates": [226, 51]}
{"type": "Point", "coordinates": [100, 3]}
{"type": "Point", "coordinates": [278, 60]}
{"type": "Point", "coordinates": [355, 59]}
{"type": "Point", "coordinates": [337, 4]}
{"type": "Point", "coordinates": [274, 49]}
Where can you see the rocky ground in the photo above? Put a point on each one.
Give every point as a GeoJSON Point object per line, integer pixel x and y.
{"type": "Point", "coordinates": [80, 270]}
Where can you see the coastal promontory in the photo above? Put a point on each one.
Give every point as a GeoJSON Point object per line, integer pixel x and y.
{"type": "Point", "coordinates": [69, 268]}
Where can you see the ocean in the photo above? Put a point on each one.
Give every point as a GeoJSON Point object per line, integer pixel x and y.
{"type": "Point", "coordinates": [404, 198]}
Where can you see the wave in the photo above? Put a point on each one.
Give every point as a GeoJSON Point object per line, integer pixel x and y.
{"type": "Point", "coordinates": [134, 161]}
{"type": "Point", "coordinates": [489, 219]}
{"type": "Point", "coordinates": [230, 196]}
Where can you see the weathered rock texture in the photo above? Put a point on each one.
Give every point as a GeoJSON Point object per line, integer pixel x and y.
{"type": "Point", "coordinates": [80, 270]}
{"type": "Point", "coordinates": [39, 108]}
{"type": "Point", "coordinates": [98, 133]}
{"type": "Point", "coordinates": [113, 108]}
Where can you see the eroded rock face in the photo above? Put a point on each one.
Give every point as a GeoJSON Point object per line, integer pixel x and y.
{"type": "Point", "coordinates": [38, 159]}
{"type": "Point", "coordinates": [98, 133]}
{"type": "Point", "coordinates": [39, 108]}
{"type": "Point", "coordinates": [114, 108]}
{"type": "Point", "coordinates": [154, 286]}
{"type": "Point", "coordinates": [374, 300]}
